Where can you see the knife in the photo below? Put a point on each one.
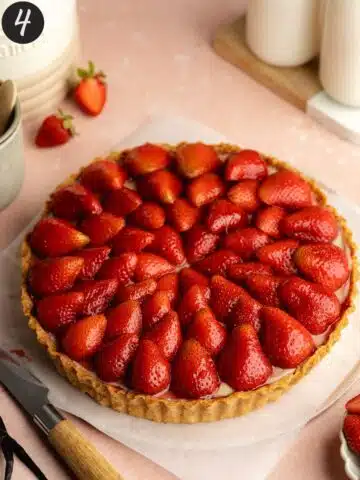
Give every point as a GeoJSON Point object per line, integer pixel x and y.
{"type": "Point", "coordinates": [80, 455]}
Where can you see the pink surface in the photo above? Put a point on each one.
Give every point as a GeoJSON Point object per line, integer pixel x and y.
{"type": "Point", "coordinates": [158, 60]}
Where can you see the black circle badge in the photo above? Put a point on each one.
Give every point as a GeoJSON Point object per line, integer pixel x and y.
{"type": "Point", "coordinates": [22, 22]}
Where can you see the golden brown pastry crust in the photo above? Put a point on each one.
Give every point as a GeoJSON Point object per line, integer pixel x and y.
{"type": "Point", "coordinates": [182, 410]}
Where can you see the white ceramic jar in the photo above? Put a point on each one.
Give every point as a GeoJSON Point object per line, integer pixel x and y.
{"type": "Point", "coordinates": [340, 51]}
{"type": "Point", "coordinates": [283, 32]}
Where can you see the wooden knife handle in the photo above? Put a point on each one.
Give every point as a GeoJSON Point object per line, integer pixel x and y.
{"type": "Point", "coordinates": [80, 455]}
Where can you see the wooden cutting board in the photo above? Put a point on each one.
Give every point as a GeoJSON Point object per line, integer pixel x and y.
{"type": "Point", "coordinates": [295, 85]}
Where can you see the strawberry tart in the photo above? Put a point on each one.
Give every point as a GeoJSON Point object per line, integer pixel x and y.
{"type": "Point", "coordinates": [187, 283]}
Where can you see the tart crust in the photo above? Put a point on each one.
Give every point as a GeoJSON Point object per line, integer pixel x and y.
{"type": "Point", "coordinates": [166, 410]}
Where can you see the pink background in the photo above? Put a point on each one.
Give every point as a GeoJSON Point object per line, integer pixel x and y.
{"type": "Point", "coordinates": [158, 59]}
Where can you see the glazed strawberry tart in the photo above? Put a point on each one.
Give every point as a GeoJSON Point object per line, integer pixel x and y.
{"type": "Point", "coordinates": [187, 283]}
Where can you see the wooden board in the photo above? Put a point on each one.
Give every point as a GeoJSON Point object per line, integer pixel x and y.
{"type": "Point", "coordinates": [296, 84]}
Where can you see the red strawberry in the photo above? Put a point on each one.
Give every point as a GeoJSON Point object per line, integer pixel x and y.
{"type": "Point", "coordinates": [97, 294]}
{"type": "Point", "coordinates": [224, 215]}
{"type": "Point", "coordinates": [55, 130]}
{"type": "Point", "coordinates": [102, 228]}
{"type": "Point", "coordinates": [155, 308]}
{"type": "Point", "coordinates": [205, 189]}
{"type": "Point", "coordinates": [122, 202]}
{"type": "Point", "coordinates": [217, 263]}
{"type": "Point", "coordinates": [150, 370]}
{"type": "Point", "coordinates": [351, 431]}
{"type": "Point", "coordinates": [168, 244]}
{"type": "Point", "coordinates": [285, 341]}
{"type": "Point", "coordinates": [103, 176]}
{"type": "Point", "coordinates": [132, 239]}
{"type": "Point", "coordinates": [149, 215]}
{"type": "Point", "coordinates": [190, 277]}
{"type": "Point", "coordinates": [122, 268]}
{"type": "Point", "coordinates": [246, 165]}
{"type": "Point", "coordinates": [137, 291]}
{"type": "Point", "coordinates": [73, 201]}
{"type": "Point", "coordinates": [279, 256]}
{"type": "Point", "coordinates": [207, 331]}
{"type": "Point", "coordinates": [242, 364]}
{"type": "Point", "coordinates": [169, 283]}
{"type": "Point", "coordinates": [323, 263]}
{"type": "Point", "coordinates": [145, 159]}
{"type": "Point", "coordinates": [246, 310]}
{"type": "Point", "coordinates": [55, 275]}
{"type": "Point", "coordinates": [311, 224]}
{"type": "Point", "coordinates": [285, 189]}
{"type": "Point", "coordinates": [162, 185]}
{"type": "Point", "coordinates": [199, 243]}
{"type": "Point", "coordinates": [353, 405]}
{"type": "Point", "coordinates": [268, 220]}
{"type": "Point", "coordinates": [166, 334]}
{"type": "Point", "coordinates": [113, 359]}
{"type": "Point", "coordinates": [58, 310]}
{"type": "Point", "coordinates": [194, 373]}
{"type": "Point", "coordinates": [151, 266]}
{"type": "Point", "coordinates": [125, 318]}
{"type": "Point", "coordinates": [244, 195]}
{"type": "Point", "coordinates": [83, 338]}
{"type": "Point", "coordinates": [182, 215]}
{"type": "Point", "coordinates": [193, 300]}
{"type": "Point", "coordinates": [224, 296]}
{"type": "Point", "coordinates": [53, 237]}
{"type": "Point", "coordinates": [195, 159]}
{"type": "Point", "coordinates": [246, 241]}
{"type": "Point", "coordinates": [91, 92]}
{"type": "Point", "coordinates": [241, 271]}
{"type": "Point", "coordinates": [265, 288]}
{"type": "Point", "coordinates": [93, 259]}
{"type": "Point", "coordinates": [310, 304]}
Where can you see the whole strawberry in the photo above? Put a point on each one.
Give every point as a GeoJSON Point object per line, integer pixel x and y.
{"type": "Point", "coordinates": [91, 92]}
{"type": "Point", "coordinates": [55, 130]}
{"type": "Point", "coordinates": [351, 431]}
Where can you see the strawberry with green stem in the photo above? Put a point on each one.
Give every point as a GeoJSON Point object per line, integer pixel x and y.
{"type": "Point", "coordinates": [91, 92]}
{"type": "Point", "coordinates": [55, 130]}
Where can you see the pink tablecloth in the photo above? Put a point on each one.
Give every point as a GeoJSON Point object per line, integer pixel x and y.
{"type": "Point", "coordinates": [158, 59]}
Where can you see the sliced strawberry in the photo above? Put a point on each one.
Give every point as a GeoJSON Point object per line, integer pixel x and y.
{"type": "Point", "coordinates": [190, 277]}
{"type": "Point", "coordinates": [151, 266]}
{"type": "Point", "coordinates": [149, 216]}
{"type": "Point", "coordinates": [55, 130]}
{"type": "Point", "coordinates": [162, 185]}
{"type": "Point", "coordinates": [55, 275]}
{"type": "Point", "coordinates": [351, 431]}
{"type": "Point", "coordinates": [168, 244]}
{"type": "Point", "coordinates": [311, 224]}
{"type": "Point", "coordinates": [102, 176]}
{"type": "Point", "coordinates": [155, 308]}
{"type": "Point", "coordinates": [285, 189]}
{"type": "Point", "coordinates": [169, 283]}
{"type": "Point", "coordinates": [241, 271]}
{"type": "Point", "coordinates": [268, 220]}
{"type": "Point", "coordinates": [224, 215]}
{"type": "Point", "coordinates": [193, 300]}
{"type": "Point", "coordinates": [122, 202]}
{"type": "Point", "coordinates": [310, 304]}
{"type": "Point", "coordinates": [93, 259]}
{"type": "Point", "coordinates": [182, 215]}
{"type": "Point", "coordinates": [285, 341]}
{"type": "Point", "coordinates": [113, 359]}
{"type": "Point", "coordinates": [57, 311]}
{"type": "Point", "coordinates": [97, 294]}
{"type": "Point", "coordinates": [137, 291]}
{"type": "Point", "coordinates": [91, 92]}
{"type": "Point", "coordinates": [246, 241]}
{"type": "Point", "coordinates": [132, 239]}
{"type": "Point", "coordinates": [205, 189]}
{"type": "Point", "coordinates": [83, 338]}
{"type": "Point", "coordinates": [150, 370]}
{"type": "Point", "coordinates": [265, 288]}
{"type": "Point", "coordinates": [323, 263]}
{"type": "Point", "coordinates": [122, 268]}
{"type": "Point", "coordinates": [199, 242]}
{"type": "Point", "coordinates": [194, 373]}
{"type": "Point", "coordinates": [102, 228]}
{"type": "Point", "coordinates": [224, 296]}
{"type": "Point", "coordinates": [207, 331]}
{"type": "Point", "coordinates": [242, 364]}
{"type": "Point", "coordinates": [166, 334]}
{"type": "Point", "coordinates": [74, 201]}
{"type": "Point", "coordinates": [246, 310]}
{"type": "Point", "coordinates": [244, 195]}
{"type": "Point", "coordinates": [353, 405]}
{"type": "Point", "coordinates": [146, 158]}
{"type": "Point", "coordinates": [246, 165]}
{"type": "Point", "coordinates": [125, 318]}
{"type": "Point", "coordinates": [217, 263]}
{"type": "Point", "coordinates": [53, 237]}
{"type": "Point", "coordinates": [195, 159]}
{"type": "Point", "coordinates": [279, 256]}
